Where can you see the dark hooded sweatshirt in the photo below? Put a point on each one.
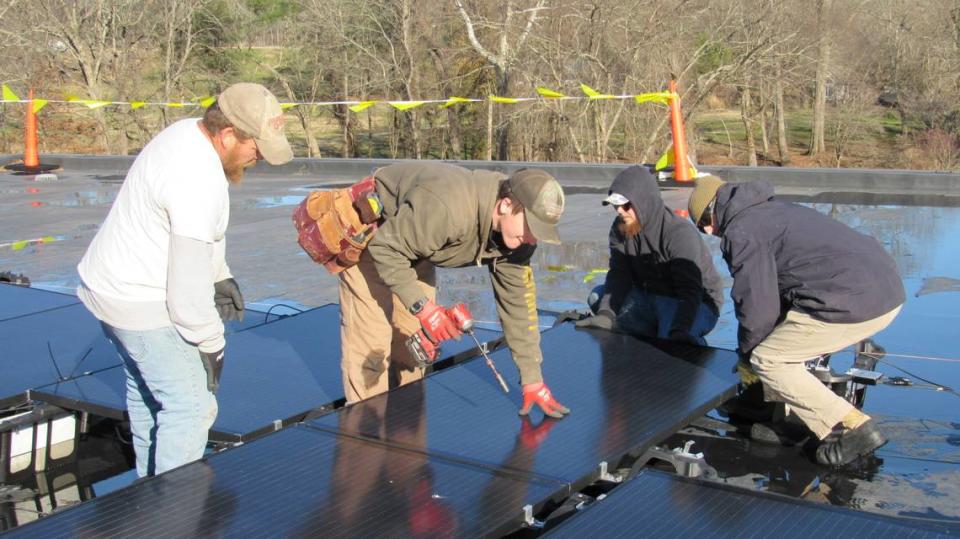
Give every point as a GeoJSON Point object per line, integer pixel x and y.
{"type": "Point", "coordinates": [784, 257]}
{"type": "Point", "coordinates": [667, 258]}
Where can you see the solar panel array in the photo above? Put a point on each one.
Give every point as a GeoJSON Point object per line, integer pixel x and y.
{"type": "Point", "coordinates": [444, 456]}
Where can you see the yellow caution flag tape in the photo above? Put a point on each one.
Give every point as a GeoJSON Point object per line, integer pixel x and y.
{"type": "Point", "coordinates": [21, 244]}
{"type": "Point", "coordinates": [406, 105]}
{"type": "Point", "coordinates": [592, 274]}
{"type": "Point", "coordinates": [9, 96]}
{"type": "Point", "coordinates": [454, 100]}
{"type": "Point", "coordinates": [362, 106]}
{"type": "Point", "coordinates": [504, 100]}
{"type": "Point", "coordinates": [548, 93]}
{"type": "Point", "coordinates": [593, 94]}
{"type": "Point", "coordinates": [655, 97]}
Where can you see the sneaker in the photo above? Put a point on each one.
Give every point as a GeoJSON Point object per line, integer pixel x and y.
{"type": "Point", "coordinates": [850, 445]}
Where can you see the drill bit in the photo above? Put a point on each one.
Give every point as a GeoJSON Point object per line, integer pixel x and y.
{"type": "Point", "coordinates": [490, 364]}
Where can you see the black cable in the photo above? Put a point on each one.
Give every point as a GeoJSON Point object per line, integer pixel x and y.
{"type": "Point", "coordinates": [938, 387]}
{"type": "Point", "coordinates": [267, 315]}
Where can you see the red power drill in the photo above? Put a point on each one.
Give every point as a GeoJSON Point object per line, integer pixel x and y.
{"type": "Point", "coordinates": [426, 351]}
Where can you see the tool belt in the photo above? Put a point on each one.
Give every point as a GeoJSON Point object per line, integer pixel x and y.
{"type": "Point", "coordinates": [335, 226]}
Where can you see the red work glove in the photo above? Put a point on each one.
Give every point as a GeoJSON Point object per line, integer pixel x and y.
{"type": "Point", "coordinates": [423, 350]}
{"type": "Point", "coordinates": [540, 395]}
{"type": "Point", "coordinates": [437, 323]}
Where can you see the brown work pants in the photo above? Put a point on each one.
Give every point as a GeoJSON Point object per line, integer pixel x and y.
{"type": "Point", "coordinates": [374, 327]}
{"type": "Point", "coordinates": [779, 361]}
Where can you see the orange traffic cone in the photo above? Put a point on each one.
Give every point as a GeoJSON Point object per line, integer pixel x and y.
{"type": "Point", "coordinates": [31, 153]}
{"type": "Point", "coordinates": [681, 171]}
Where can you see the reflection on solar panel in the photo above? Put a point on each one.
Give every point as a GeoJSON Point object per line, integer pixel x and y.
{"type": "Point", "coordinates": [274, 374]}
{"type": "Point", "coordinates": [305, 483]}
{"type": "Point", "coordinates": [19, 300]}
{"type": "Point", "coordinates": [625, 396]}
{"type": "Point", "coordinates": [656, 504]}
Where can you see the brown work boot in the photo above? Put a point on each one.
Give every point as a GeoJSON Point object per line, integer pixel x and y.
{"type": "Point", "coordinates": [850, 445]}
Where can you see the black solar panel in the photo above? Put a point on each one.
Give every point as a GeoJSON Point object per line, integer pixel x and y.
{"type": "Point", "coordinates": [274, 374]}
{"type": "Point", "coordinates": [60, 344]}
{"type": "Point", "coordinates": [625, 395]}
{"type": "Point", "coordinates": [48, 346]}
{"type": "Point", "coordinates": [20, 300]}
{"type": "Point", "coordinates": [301, 482]}
{"type": "Point", "coordinates": [656, 504]}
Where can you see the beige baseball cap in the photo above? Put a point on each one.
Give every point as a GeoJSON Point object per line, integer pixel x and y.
{"type": "Point", "coordinates": [704, 191]}
{"type": "Point", "coordinates": [542, 199]}
{"type": "Point", "coordinates": [255, 111]}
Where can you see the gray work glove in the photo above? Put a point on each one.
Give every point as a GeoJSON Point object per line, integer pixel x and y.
{"type": "Point", "coordinates": [226, 294]}
{"type": "Point", "coordinates": [605, 320]}
{"type": "Point", "coordinates": [213, 364]}
{"type": "Point", "coordinates": [571, 315]}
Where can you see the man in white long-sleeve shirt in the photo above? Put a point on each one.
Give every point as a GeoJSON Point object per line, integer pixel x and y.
{"type": "Point", "coordinates": [156, 276]}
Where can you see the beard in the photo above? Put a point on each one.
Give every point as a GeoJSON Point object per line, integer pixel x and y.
{"type": "Point", "coordinates": [234, 168]}
{"type": "Point", "coordinates": [630, 229]}
{"type": "Point", "coordinates": [234, 173]}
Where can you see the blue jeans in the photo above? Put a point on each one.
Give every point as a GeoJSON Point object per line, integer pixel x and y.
{"type": "Point", "coordinates": [651, 315]}
{"type": "Point", "coordinates": [169, 405]}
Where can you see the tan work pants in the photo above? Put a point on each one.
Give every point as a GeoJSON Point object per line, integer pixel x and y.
{"type": "Point", "coordinates": [779, 362]}
{"type": "Point", "coordinates": [374, 327]}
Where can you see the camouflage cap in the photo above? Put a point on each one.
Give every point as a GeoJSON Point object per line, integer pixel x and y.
{"type": "Point", "coordinates": [542, 200]}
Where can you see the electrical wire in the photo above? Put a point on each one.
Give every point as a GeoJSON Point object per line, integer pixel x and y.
{"type": "Point", "coordinates": [938, 387]}
{"type": "Point", "coordinates": [266, 316]}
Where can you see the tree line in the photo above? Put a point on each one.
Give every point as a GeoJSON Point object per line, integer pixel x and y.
{"type": "Point", "coordinates": [802, 77]}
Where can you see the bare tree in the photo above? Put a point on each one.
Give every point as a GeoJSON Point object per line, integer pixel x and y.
{"type": "Point", "coordinates": [817, 144]}
{"type": "Point", "coordinates": [504, 56]}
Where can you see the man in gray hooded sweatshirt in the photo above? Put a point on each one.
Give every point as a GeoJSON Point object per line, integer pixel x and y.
{"type": "Point", "coordinates": [662, 281]}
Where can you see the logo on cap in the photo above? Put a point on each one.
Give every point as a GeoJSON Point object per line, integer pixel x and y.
{"type": "Point", "coordinates": [276, 122]}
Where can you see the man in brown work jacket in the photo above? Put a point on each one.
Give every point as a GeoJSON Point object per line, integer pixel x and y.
{"type": "Point", "coordinates": [437, 214]}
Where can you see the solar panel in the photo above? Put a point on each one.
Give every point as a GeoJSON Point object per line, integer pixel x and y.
{"type": "Point", "coordinates": [48, 346]}
{"type": "Point", "coordinates": [625, 396]}
{"type": "Point", "coordinates": [655, 504]}
{"type": "Point", "coordinates": [60, 344]}
{"type": "Point", "coordinates": [301, 482]}
{"type": "Point", "coordinates": [274, 374]}
{"type": "Point", "coordinates": [20, 300]}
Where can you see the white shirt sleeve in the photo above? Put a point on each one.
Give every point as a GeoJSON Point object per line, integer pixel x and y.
{"type": "Point", "coordinates": [220, 261]}
{"type": "Point", "coordinates": [190, 275]}
{"type": "Point", "coordinates": [195, 209]}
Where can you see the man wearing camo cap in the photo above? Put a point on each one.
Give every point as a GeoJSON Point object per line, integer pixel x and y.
{"type": "Point", "coordinates": [436, 214]}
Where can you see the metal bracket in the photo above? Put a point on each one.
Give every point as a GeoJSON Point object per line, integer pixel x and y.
{"type": "Point", "coordinates": [605, 475]}
{"type": "Point", "coordinates": [686, 463]}
{"type": "Point", "coordinates": [528, 519]}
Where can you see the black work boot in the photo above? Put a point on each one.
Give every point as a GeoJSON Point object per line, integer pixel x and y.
{"type": "Point", "coordinates": [850, 445]}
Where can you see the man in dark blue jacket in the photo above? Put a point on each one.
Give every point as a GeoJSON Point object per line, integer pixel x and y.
{"type": "Point", "coordinates": [803, 285]}
{"type": "Point", "coordinates": [662, 282]}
